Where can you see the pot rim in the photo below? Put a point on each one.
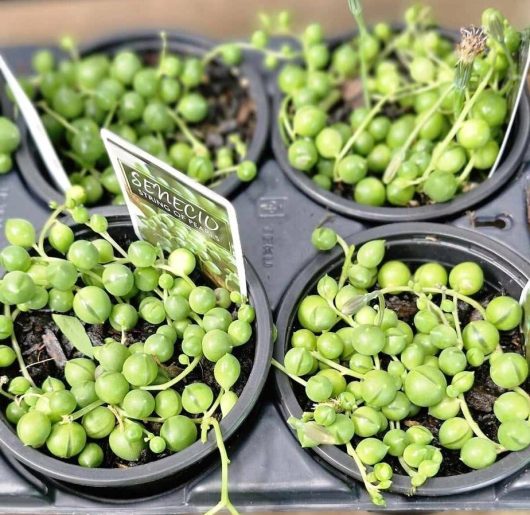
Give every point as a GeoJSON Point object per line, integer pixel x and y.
{"type": "Point", "coordinates": [33, 172]}
{"type": "Point", "coordinates": [180, 461]}
{"type": "Point", "coordinates": [475, 244]}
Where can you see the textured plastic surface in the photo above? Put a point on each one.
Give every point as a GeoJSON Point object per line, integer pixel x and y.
{"type": "Point", "coordinates": [268, 468]}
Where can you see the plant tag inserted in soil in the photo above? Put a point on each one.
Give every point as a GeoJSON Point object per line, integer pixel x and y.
{"type": "Point", "coordinates": [170, 210]}
{"type": "Point", "coordinates": [36, 128]}
{"type": "Point", "coordinates": [523, 65]}
{"type": "Point", "coordinates": [525, 303]}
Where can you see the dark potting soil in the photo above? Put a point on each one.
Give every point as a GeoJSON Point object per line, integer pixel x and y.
{"type": "Point", "coordinates": [480, 398]}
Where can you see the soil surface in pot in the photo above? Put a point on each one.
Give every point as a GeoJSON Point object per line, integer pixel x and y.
{"type": "Point", "coordinates": [480, 398]}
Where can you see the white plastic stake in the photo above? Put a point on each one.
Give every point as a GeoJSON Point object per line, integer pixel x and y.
{"type": "Point", "coordinates": [36, 129]}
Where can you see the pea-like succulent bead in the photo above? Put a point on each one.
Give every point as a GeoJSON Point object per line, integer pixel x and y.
{"type": "Point", "coordinates": [140, 369]}
{"type": "Point", "coordinates": [514, 434]}
{"type": "Point", "coordinates": [215, 344]}
{"type": "Point", "coordinates": [168, 403]}
{"type": "Point", "coordinates": [478, 453]}
{"type": "Point", "coordinates": [182, 262]}
{"type": "Point", "coordinates": [111, 387]}
{"type": "Point", "coordinates": [20, 232]}
{"type": "Point", "coordinates": [33, 429]}
{"type": "Point", "coordinates": [240, 331]}
{"type": "Point", "coordinates": [84, 393]}
{"type": "Point", "coordinates": [393, 274]}
{"type": "Point", "coordinates": [66, 440]}
{"type": "Point", "coordinates": [138, 404]}
{"type": "Point", "coordinates": [91, 456]}
{"type": "Point", "coordinates": [197, 398]}
{"type": "Point", "coordinates": [179, 432]}
{"type": "Point", "coordinates": [319, 388]}
{"type": "Point", "coordinates": [466, 278]}
{"type": "Point", "coordinates": [368, 339]}
{"type": "Point", "coordinates": [504, 313]}
{"type": "Point", "coordinates": [511, 405]}
{"type": "Point", "coordinates": [371, 450]}
{"type": "Point", "coordinates": [425, 386]}
{"type": "Point", "coordinates": [123, 317]}
{"type": "Point", "coordinates": [454, 433]}
{"type": "Point", "coordinates": [451, 361]}
{"type": "Point", "coordinates": [7, 356]}
{"type": "Point", "coordinates": [79, 370]}
{"type": "Point", "coordinates": [112, 356]}
{"type": "Point", "coordinates": [17, 287]}
{"type": "Point", "coordinates": [378, 388]}
{"type": "Point", "coordinates": [398, 409]}
{"type": "Point", "coordinates": [315, 314]}
{"type": "Point", "coordinates": [324, 415]}
{"type": "Point", "coordinates": [117, 279]}
{"type": "Point", "coordinates": [141, 253]}
{"type": "Point", "coordinates": [160, 346]}
{"type": "Point", "coordinates": [99, 422]}
{"type": "Point", "coordinates": [482, 335]}
{"type": "Point", "coordinates": [123, 447]}
{"type": "Point", "coordinates": [366, 421]}
{"type": "Point", "coordinates": [6, 327]}
{"type": "Point", "coordinates": [509, 370]}
{"type": "Point", "coordinates": [92, 305]}
{"type": "Point", "coordinates": [396, 441]}
{"type": "Point", "coordinates": [227, 371]}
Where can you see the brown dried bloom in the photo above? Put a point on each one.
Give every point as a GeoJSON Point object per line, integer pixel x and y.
{"type": "Point", "coordinates": [472, 43]}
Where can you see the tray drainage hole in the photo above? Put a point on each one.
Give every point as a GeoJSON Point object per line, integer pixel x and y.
{"type": "Point", "coordinates": [502, 222]}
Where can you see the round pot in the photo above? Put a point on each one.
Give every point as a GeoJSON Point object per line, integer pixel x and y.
{"type": "Point", "coordinates": [413, 243]}
{"type": "Point", "coordinates": [513, 156]}
{"type": "Point", "coordinates": [161, 473]}
{"type": "Point", "coordinates": [30, 163]}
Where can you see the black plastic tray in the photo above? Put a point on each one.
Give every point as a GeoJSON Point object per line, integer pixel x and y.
{"type": "Point", "coordinates": [269, 470]}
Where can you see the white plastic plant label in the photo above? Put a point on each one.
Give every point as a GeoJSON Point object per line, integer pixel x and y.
{"type": "Point", "coordinates": [523, 64]}
{"type": "Point", "coordinates": [170, 210]}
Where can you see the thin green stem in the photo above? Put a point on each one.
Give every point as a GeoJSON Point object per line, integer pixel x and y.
{"type": "Point", "coordinates": [372, 490]}
{"type": "Point", "coordinates": [198, 147]}
{"type": "Point", "coordinates": [471, 421]}
{"type": "Point", "coordinates": [16, 346]}
{"type": "Point", "coordinates": [348, 253]}
{"type": "Point", "coordinates": [456, 126]}
{"type": "Point", "coordinates": [286, 128]}
{"type": "Point", "coordinates": [3, 381]}
{"type": "Point", "coordinates": [279, 366]}
{"type": "Point", "coordinates": [176, 379]}
{"type": "Point", "coordinates": [123, 413]}
{"type": "Point", "coordinates": [343, 370]}
{"type": "Point", "coordinates": [401, 155]}
{"type": "Point", "coordinates": [82, 412]}
{"type": "Point", "coordinates": [63, 121]}
{"type": "Point", "coordinates": [368, 118]}
{"type": "Point", "coordinates": [105, 235]}
{"type": "Point", "coordinates": [225, 502]}
{"type": "Point", "coordinates": [467, 170]}
{"type": "Point", "coordinates": [47, 226]}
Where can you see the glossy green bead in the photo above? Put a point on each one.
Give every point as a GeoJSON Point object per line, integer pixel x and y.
{"type": "Point", "coordinates": [425, 386]}
{"type": "Point", "coordinates": [179, 432]}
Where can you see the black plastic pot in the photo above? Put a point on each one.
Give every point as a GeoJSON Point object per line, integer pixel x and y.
{"type": "Point", "coordinates": [513, 157]}
{"type": "Point", "coordinates": [166, 472]}
{"type": "Point", "coordinates": [33, 170]}
{"type": "Point", "coordinates": [413, 243]}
